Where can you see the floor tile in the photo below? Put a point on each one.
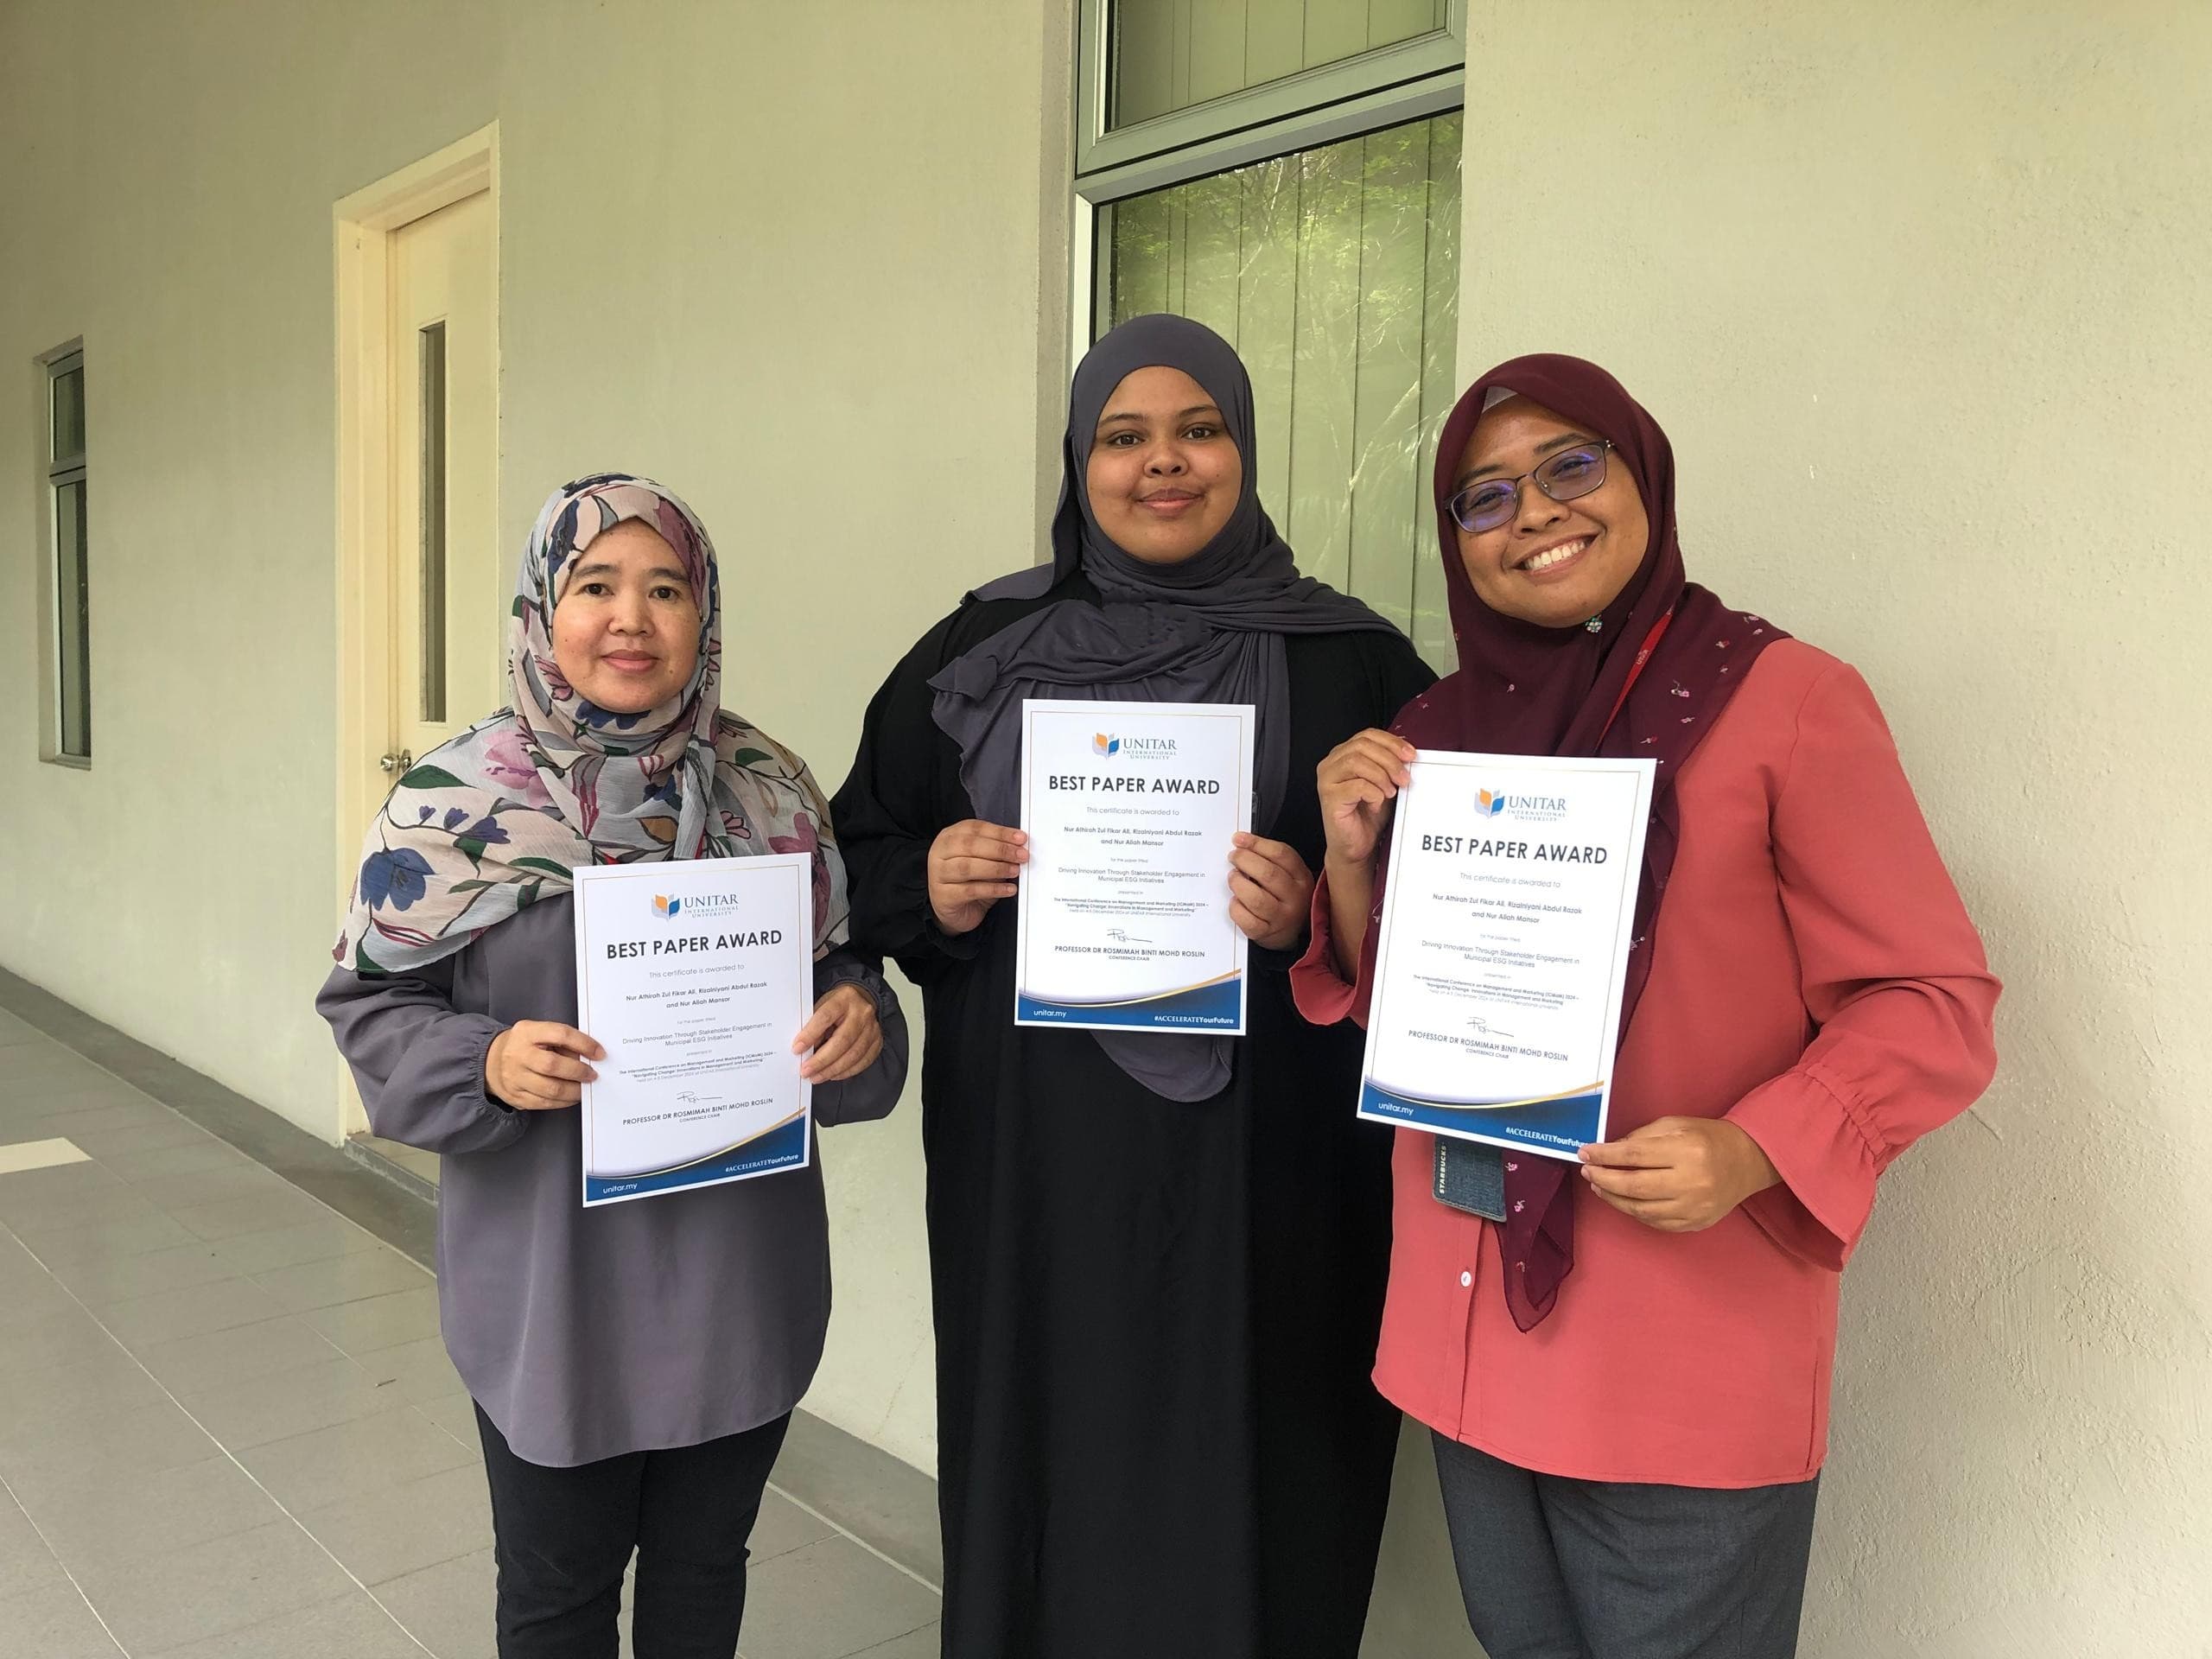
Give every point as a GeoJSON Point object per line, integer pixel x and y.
{"type": "Point", "coordinates": [189, 1311]}
{"type": "Point", "coordinates": [456, 1414]}
{"type": "Point", "coordinates": [116, 1521]}
{"type": "Point", "coordinates": [415, 1371]}
{"type": "Point", "coordinates": [829, 1600]}
{"type": "Point", "coordinates": [319, 1240]}
{"type": "Point", "coordinates": [352, 1627]}
{"type": "Point", "coordinates": [115, 1278]}
{"type": "Point", "coordinates": [192, 1364]}
{"type": "Point", "coordinates": [784, 1526]}
{"type": "Point", "coordinates": [30, 1293]}
{"type": "Point", "coordinates": [150, 1230]}
{"type": "Point", "coordinates": [63, 1212]}
{"type": "Point", "coordinates": [54, 1622]}
{"type": "Point", "coordinates": [105, 1382]}
{"type": "Point", "coordinates": [20, 1155]}
{"type": "Point", "coordinates": [53, 1461]}
{"type": "Point", "coordinates": [195, 1187]}
{"type": "Point", "coordinates": [325, 1466]}
{"type": "Point", "coordinates": [45, 1102]}
{"type": "Point", "coordinates": [343, 1279]}
{"type": "Point", "coordinates": [53, 1340]}
{"type": "Point", "coordinates": [227, 1584]}
{"type": "Point", "coordinates": [387, 1321]}
{"type": "Point", "coordinates": [143, 1134]}
{"type": "Point", "coordinates": [26, 1564]}
{"type": "Point", "coordinates": [140, 1115]}
{"type": "Point", "coordinates": [924, 1644]}
{"type": "Point", "coordinates": [259, 1213]}
{"type": "Point", "coordinates": [206, 1153]}
{"type": "Point", "coordinates": [277, 1406]}
{"type": "Point", "coordinates": [449, 1607]}
{"type": "Point", "coordinates": [404, 1529]}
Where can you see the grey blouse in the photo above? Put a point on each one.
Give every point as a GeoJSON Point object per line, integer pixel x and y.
{"type": "Point", "coordinates": [586, 1333]}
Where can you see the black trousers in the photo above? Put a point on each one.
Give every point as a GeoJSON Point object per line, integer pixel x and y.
{"type": "Point", "coordinates": [1554, 1568]}
{"type": "Point", "coordinates": [563, 1536]}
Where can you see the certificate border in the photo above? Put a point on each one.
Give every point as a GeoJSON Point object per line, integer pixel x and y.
{"type": "Point", "coordinates": [1194, 1009]}
{"type": "Point", "coordinates": [1580, 1105]}
{"type": "Point", "coordinates": [792, 1138]}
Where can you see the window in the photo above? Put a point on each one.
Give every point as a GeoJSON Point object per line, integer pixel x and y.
{"type": "Point", "coordinates": [70, 735]}
{"type": "Point", "coordinates": [1321, 241]}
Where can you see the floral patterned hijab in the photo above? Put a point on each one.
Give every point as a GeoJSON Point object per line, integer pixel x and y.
{"type": "Point", "coordinates": [492, 820]}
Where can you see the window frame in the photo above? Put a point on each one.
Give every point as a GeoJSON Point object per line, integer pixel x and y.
{"type": "Point", "coordinates": [1387, 87]}
{"type": "Point", "coordinates": [58, 472]}
{"type": "Point", "coordinates": [1410, 68]}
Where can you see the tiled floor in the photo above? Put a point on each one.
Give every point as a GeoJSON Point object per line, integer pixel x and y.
{"type": "Point", "coordinates": [231, 1432]}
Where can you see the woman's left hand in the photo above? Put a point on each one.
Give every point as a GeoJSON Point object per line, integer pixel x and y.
{"type": "Point", "coordinates": [844, 1034]}
{"type": "Point", "coordinates": [1678, 1174]}
{"type": "Point", "coordinates": [1270, 890]}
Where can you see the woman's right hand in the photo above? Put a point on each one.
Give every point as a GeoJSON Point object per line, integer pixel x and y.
{"type": "Point", "coordinates": [973, 865]}
{"type": "Point", "coordinates": [1360, 780]}
{"type": "Point", "coordinates": [537, 1065]}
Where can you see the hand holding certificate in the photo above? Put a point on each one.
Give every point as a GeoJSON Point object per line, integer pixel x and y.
{"type": "Point", "coordinates": [1131, 811]}
{"type": "Point", "coordinates": [695, 978]}
{"type": "Point", "coordinates": [1505, 932]}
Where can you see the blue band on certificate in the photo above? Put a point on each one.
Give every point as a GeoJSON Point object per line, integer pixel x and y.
{"type": "Point", "coordinates": [1215, 1006]}
{"type": "Point", "coordinates": [1553, 1126]}
{"type": "Point", "coordinates": [1503, 941]}
{"type": "Point", "coordinates": [783, 1148]}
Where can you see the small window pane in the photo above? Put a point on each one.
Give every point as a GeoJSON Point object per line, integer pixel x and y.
{"type": "Point", "coordinates": [1170, 54]}
{"type": "Point", "coordinates": [1335, 273]}
{"type": "Point", "coordinates": [73, 620]}
{"type": "Point", "coordinates": [69, 414]}
{"type": "Point", "coordinates": [432, 348]}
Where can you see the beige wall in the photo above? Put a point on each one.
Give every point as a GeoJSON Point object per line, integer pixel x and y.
{"type": "Point", "coordinates": [741, 247]}
{"type": "Point", "coordinates": [1841, 251]}
{"type": "Point", "coordinates": [1918, 290]}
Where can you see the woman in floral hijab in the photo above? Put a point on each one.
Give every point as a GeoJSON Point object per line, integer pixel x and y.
{"type": "Point", "coordinates": [634, 1365]}
{"type": "Point", "coordinates": [490, 822]}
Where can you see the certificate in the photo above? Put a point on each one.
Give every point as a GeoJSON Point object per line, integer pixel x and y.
{"type": "Point", "coordinates": [1130, 809]}
{"type": "Point", "coordinates": [694, 975]}
{"type": "Point", "coordinates": [1506, 924]}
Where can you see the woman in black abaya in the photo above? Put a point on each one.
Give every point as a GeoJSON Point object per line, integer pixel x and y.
{"type": "Point", "coordinates": [1158, 1259]}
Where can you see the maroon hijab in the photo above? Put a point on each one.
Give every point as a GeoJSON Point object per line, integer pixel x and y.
{"type": "Point", "coordinates": [1521, 689]}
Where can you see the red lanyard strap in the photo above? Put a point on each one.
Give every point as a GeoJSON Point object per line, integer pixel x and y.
{"type": "Point", "coordinates": [1635, 669]}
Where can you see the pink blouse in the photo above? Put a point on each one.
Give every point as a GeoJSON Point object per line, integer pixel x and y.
{"type": "Point", "coordinates": [1817, 981]}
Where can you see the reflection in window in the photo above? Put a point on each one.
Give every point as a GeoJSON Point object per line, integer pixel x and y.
{"type": "Point", "coordinates": [1170, 54]}
{"type": "Point", "coordinates": [1335, 274]}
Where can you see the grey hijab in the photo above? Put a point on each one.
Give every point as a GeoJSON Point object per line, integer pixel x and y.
{"type": "Point", "coordinates": [1209, 630]}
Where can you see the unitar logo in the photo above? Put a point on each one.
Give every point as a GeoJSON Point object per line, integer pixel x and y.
{"type": "Point", "coordinates": [1489, 803]}
{"type": "Point", "coordinates": [664, 906]}
{"type": "Point", "coordinates": [1106, 743]}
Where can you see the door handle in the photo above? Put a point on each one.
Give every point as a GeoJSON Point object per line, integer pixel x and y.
{"type": "Point", "coordinates": [398, 760]}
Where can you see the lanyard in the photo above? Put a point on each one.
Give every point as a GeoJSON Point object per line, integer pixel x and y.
{"type": "Point", "coordinates": [1635, 669]}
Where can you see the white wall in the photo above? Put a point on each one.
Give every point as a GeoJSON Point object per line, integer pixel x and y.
{"type": "Point", "coordinates": [1918, 292]}
{"type": "Point", "coordinates": [784, 256]}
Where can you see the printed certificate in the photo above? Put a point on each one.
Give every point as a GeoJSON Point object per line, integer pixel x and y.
{"type": "Point", "coordinates": [1130, 809]}
{"type": "Point", "coordinates": [694, 975]}
{"type": "Point", "coordinates": [1506, 924]}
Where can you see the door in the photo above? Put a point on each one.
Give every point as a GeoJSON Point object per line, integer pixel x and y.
{"type": "Point", "coordinates": [446, 641]}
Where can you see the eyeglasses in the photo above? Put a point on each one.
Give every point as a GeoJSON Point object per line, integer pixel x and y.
{"type": "Point", "coordinates": [1563, 477]}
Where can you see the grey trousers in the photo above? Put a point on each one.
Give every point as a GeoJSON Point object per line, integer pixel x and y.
{"type": "Point", "coordinates": [1554, 1568]}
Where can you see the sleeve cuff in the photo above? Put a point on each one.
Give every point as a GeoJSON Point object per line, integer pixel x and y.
{"type": "Point", "coordinates": [1320, 992]}
{"type": "Point", "coordinates": [1827, 1166]}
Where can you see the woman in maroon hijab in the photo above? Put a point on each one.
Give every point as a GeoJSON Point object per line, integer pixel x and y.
{"type": "Point", "coordinates": [1625, 1361]}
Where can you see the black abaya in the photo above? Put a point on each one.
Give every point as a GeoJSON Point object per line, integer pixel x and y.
{"type": "Point", "coordinates": [1155, 1321]}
